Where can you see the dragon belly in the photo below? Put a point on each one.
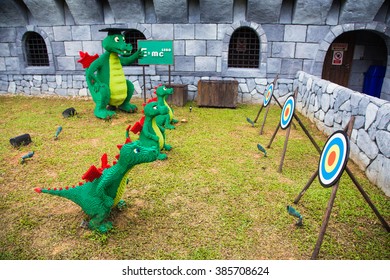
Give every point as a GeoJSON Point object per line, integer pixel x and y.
{"type": "Point", "coordinates": [121, 189]}
{"type": "Point", "coordinates": [118, 85]}
{"type": "Point", "coordinates": [157, 130]}
{"type": "Point", "coordinates": [169, 110]}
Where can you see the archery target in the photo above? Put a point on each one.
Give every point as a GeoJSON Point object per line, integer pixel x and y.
{"type": "Point", "coordinates": [268, 94]}
{"type": "Point", "coordinates": [334, 158]}
{"type": "Point", "coordinates": [287, 112]}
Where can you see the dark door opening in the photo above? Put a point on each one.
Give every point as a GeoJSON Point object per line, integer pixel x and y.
{"type": "Point", "coordinates": [352, 56]}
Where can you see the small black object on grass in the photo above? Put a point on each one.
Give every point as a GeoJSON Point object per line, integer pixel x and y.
{"type": "Point", "coordinates": [23, 139]}
{"type": "Point", "coordinates": [70, 112]}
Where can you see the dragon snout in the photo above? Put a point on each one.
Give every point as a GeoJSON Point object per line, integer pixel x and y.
{"type": "Point", "coordinates": [126, 51]}
{"type": "Point", "coordinates": [149, 154]}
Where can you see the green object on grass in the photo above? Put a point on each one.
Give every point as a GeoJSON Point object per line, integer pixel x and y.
{"type": "Point", "coordinates": [151, 134]}
{"type": "Point", "coordinates": [59, 129]}
{"type": "Point", "coordinates": [105, 186]}
{"type": "Point", "coordinates": [26, 156]}
{"type": "Point", "coordinates": [261, 148]}
{"type": "Point", "coordinates": [250, 121]}
{"type": "Point", "coordinates": [296, 214]}
{"type": "Point", "coordinates": [165, 120]}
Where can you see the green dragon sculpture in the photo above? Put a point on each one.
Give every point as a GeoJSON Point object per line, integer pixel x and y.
{"type": "Point", "coordinates": [165, 120]}
{"type": "Point", "coordinates": [105, 186]}
{"type": "Point", "coordinates": [109, 86]}
{"type": "Point", "coordinates": [150, 133]}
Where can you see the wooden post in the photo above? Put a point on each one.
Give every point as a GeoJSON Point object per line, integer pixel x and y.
{"type": "Point", "coordinates": [169, 75]}
{"type": "Point", "coordinates": [143, 74]}
{"type": "Point", "coordinates": [325, 221]}
{"type": "Point", "coordinates": [284, 148]}
{"type": "Point", "coordinates": [273, 136]}
{"type": "Point", "coordinates": [368, 200]}
{"type": "Point", "coordinates": [307, 133]}
{"type": "Point", "coordinates": [265, 117]}
{"type": "Point", "coordinates": [258, 113]}
{"type": "Point", "coordinates": [306, 187]}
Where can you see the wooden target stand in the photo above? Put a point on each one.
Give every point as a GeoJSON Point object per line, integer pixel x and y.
{"type": "Point", "coordinates": [268, 95]}
{"type": "Point", "coordinates": [286, 117]}
{"type": "Point", "coordinates": [288, 134]}
{"type": "Point", "coordinates": [329, 176]}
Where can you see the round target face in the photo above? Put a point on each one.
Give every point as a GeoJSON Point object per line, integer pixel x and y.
{"type": "Point", "coordinates": [268, 94]}
{"type": "Point", "coordinates": [287, 112]}
{"type": "Point", "coordinates": [334, 158]}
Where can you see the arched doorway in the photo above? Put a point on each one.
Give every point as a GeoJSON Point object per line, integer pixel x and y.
{"type": "Point", "coordinates": [351, 58]}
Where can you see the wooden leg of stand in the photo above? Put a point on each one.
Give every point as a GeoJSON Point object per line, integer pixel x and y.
{"type": "Point", "coordinates": [258, 113]}
{"type": "Point", "coordinates": [325, 222]}
{"type": "Point", "coordinates": [273, 136]}
{"type": "Point", "coordinates": [368, 200]}
{"type": "Point", "coordinates": [307, 134]}
{"type": "Point", "coordinates": [284, 149]}
{"type": "Point", "coordinates": [143, 74]}
{"type": "Point", "coordinates": [265, 117]}
{"type": "Point", "coordinates": [306, 187]}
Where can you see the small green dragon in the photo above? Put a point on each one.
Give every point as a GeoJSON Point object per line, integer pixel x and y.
{"type": "Point", "coordinates": [164, 120]}
{"type": "Point", "coordinates": [150, 133]}
{"type": "Point", "coordinates": [105, 186]}
{"type": "Point", "coordinates": [109, 86]}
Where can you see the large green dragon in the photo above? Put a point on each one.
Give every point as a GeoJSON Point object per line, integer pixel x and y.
{"type": "Point", "coordinates": [109, 86]}
{"type": "Point", "coordinates": [150, 133]}
{"type": "Point", "coordinates": [105, 186]}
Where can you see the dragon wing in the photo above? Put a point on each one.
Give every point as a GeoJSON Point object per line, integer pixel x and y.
{"type": "Point", "coordinates": [86, 59]}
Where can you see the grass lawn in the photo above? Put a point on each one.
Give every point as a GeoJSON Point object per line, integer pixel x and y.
{"type": "Point", "coordinates": [215, 197]}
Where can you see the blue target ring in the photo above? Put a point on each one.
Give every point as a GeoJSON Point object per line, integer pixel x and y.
{"type": "Point", "coordinates": [268, 94]}
{"type": "Point", "coordinates": [287, 112]}
{"type": "Point", "coordinates": [334, 158]}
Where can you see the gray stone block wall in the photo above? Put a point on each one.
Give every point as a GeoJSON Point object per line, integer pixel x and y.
{"type": "Point", "coordinates": [331, 106]}
{"type": "Point", "coordinates": [200, 49]}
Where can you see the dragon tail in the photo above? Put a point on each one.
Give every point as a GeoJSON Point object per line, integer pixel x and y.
{"type": "Point", "coordinates": [72, 193]}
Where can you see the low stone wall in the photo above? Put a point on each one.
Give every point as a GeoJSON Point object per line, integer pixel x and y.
{"type": "Point", "coordinates": [330, 107]}
{"type": "Point", "coordinates": [250, 90]}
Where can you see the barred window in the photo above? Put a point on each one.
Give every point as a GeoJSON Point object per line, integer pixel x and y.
{"type": "Point", "coordinates": [131, 37]}
{"type": "Point", "coordinates": [36, 51]}
{"type": "Point", "coordinates": [244, 49]}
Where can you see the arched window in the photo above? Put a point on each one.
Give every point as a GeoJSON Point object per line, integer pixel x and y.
{"type": "Point", "coordinates": [35, 50]}
{"type": "Point", "coordinates": [132, 36]}
{"type": "Point", "coordinates": [244, 49]}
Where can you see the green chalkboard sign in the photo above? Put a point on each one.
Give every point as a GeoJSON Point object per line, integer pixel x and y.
{"type": "Point", "coordinates": [156, 52]}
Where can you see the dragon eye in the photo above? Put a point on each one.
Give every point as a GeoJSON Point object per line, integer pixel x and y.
{"type": "Point", "coordinates": [123, 38]}
{"type": "Point", "coordinates": [116, 39]}
{"type": "Point", "coordinates": [164, 88]}
{"type": "Point", "coordinates": [155, 107]}
{"type": "Point", "coordinates": [136, 151]}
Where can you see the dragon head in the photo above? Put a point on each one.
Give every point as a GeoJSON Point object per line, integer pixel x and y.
{"type": "Point", "coordinates": [152, 109]}
{"type": "Point", "coordinates": [163, 91]}
{"type": "Point", "coordinates": [116, 43]}
{"type": "Point", "coordinates": [133, 153]}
